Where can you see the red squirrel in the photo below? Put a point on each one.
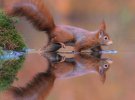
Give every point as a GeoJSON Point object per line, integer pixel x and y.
{"type": "Point", "coordinates": [60, 35]}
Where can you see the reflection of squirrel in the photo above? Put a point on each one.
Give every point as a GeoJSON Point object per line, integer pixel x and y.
{"type": "Point", "coordinates": [80, 64]}
{"type": "Point", "coordinates": [36, 12]}
{"type": "Point", "coordinates": [40, 86]}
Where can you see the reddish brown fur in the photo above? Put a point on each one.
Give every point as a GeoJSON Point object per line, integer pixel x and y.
{"type": "Point", "coordinates": [35, 11]}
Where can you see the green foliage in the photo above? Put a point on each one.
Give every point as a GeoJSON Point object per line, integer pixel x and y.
{"type": "Point", "coordinates": [9, 40]}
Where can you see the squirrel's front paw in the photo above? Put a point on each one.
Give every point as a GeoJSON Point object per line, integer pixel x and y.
{"type": "Point", "coordinates": [63, 58]}
{"type": "Point", "coordinates": [62, 44]}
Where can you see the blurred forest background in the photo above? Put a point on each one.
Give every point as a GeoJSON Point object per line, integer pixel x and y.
{"type": "Point", "coordinates": [119, 16]}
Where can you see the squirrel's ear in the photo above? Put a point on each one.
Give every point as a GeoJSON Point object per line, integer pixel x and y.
{"type": "Point", "coordinates": [102, 74]}
{"type": "Point", "coordinates": [100, 34]}
{"type": "Point", "coordinates": [103, 26]}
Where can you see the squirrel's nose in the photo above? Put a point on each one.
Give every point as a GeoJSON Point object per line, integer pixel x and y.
{"type": "Point", "coordinates": [109, 42]}
{"type": "Point", "coordinates": [109, 61]}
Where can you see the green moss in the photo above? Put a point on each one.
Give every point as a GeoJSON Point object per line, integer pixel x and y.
{"type": "Point", "coordinates": [10, 39]}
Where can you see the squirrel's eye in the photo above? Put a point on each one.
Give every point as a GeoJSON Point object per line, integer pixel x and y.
{"type": "Point", "coordinates": [105, 66]}
{"type": "Point", "coordinates": [105, 38]}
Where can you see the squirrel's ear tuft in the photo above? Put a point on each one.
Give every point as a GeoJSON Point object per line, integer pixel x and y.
{"type": "Point", "coordinates": [103, 26]}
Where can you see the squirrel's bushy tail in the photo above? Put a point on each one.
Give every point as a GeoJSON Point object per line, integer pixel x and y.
{"type": "Point", "coordinates": [35, 11]}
